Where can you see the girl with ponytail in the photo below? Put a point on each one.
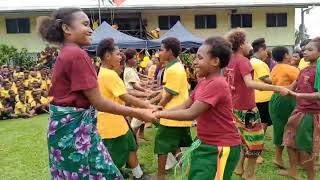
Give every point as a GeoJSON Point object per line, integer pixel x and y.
{"type": "Point", "coordinates": [75, 148]}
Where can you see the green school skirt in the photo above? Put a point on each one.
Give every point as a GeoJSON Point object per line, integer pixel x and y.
{"type": "Point", "coordinates": [169, 139]}
{"type": "Point", "coordinates": [120, 148]}
{"type": "Point", "coordinates": [280, 108]}
{"type": "Point", "coordinates": [210, 162]}
{"type": "Point", "coordinates": [302, 132]}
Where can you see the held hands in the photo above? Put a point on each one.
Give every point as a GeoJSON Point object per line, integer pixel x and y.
{"type": "Point", "coordinates": [283, 91]}
{"type": "Point", "coordinates": [294, 94]}
{"type": "Point", "coordinates": [146, 115]}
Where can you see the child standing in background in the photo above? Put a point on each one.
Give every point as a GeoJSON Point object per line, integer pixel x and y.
{"type": "Point", "coordinates": [281, 107]}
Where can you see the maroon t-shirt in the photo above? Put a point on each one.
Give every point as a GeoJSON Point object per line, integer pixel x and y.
{"type": "Point", "coordinates": [305, 84]}
{"type": "Point", "coordinates": [242, 96]}
{"type": "Point", "coordinates": [73, 72]}
{"type": "Point", "coordinates": [216, 126]}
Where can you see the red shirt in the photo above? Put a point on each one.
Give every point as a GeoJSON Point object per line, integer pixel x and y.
{"type": "Point", "coordinates": [216, 126]}
{"type": "Point", "coordinates": [305, 84]}
{"type": "Point", "coordinates": [73, 72]}
{"type": "Point", "coordinates": [242, 96]}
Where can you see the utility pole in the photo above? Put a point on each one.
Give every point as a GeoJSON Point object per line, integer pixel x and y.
{"type": "Point", "coordinates": [302, 28]}
{"type": "Point", "coordinates": [99, 9]}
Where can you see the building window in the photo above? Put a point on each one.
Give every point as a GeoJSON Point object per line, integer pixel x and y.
{"type": "Point", "coordinates": [21, 25]}
{"type": "Point", "coordinates": [277, 20]}
{"type": "Point", "coordinates": [241, 20]}
{"type": "Point", "coordinates": [166, 22]}
{"type": "Point", "coordinates": [205, 21]}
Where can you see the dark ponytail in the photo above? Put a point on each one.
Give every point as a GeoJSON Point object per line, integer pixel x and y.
{"type": "Point", "coordinates": [50, 28]}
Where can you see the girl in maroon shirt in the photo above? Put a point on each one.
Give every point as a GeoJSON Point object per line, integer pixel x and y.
{"type": "Point", "coordinates": [239, 73]}
{"type": "Point", "coordinates": [75, 148]}
{"type": "Point", "coordinates": [211, 105]}
{"type": "Point", "coordinates": [302, 132]}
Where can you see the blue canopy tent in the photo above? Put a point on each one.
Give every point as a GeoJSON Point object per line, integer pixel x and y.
{"type": "Point", "coordinates": [187, 39]}
{"type": "Point", "coordinates": [121, 39]}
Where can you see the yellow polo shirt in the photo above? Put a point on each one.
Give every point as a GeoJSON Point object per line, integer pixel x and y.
{"type": "Point", "coordinates": [4, 93]}
{"type": "Point", "coordinates": [111, 87]}
{"type": "Point", "coordinates": [20, 108]}
{"type": "Point", "coordinates": [176, 83]}
{"type": "Point", "coordinates": [303, 64]}
{"type": "Point", "coordinates": [44, 100]}
{"type": "Point", "coordinates": [261, 70]}
{"type": "Point", "coordinates": [33, 104]}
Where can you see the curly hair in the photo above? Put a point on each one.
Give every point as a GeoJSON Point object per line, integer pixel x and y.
{"type": "Point", "coordinates": [105, 46]}
{"type": "Point", "coordinates": [220, 48]}
{"type": "Point", "coordinates": [50, 28]}
{"type": "Point", "coordinates": [236, 37]}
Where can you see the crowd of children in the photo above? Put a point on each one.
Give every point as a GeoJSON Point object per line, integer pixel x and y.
{"type": "Point", "coordinates": [24, 92]}
{"type": "Point", "coordinates": [241, 90]}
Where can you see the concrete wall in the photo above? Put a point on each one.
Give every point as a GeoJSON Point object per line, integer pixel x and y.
{"type": "Point", "coordinates": [31, 40]}
{"type": "Point", "coordinates": [274, 36]}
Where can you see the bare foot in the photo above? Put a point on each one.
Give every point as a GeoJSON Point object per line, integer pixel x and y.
{"type": "Point", "coordinates": [239, 171]}
{"type": "Point", "coordinates": [279, 164]}
{"type": "Point", "coordinates": [288, 174]}
{"type": "Point", "coordinates": [259, 160]}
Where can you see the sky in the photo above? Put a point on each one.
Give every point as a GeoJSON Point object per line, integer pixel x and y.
{"type": "Point", "coordinates": [311, 21]}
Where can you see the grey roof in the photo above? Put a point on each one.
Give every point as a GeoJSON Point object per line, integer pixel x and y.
{"type": "Point", "coordinates": [49, 5]}
{"type": "Point", "coordinates": [186, 38]}
{"type": "Point", "coordinates": [121, 39]}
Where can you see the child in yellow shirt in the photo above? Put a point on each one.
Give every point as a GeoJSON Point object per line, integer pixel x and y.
{"type": "Point", "coordinates": [39, 105]}
{"type": "Point", "coordinates": [22, 108]}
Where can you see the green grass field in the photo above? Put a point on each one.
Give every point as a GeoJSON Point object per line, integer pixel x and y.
{"type": "Point", "coordinates": [23, 152]}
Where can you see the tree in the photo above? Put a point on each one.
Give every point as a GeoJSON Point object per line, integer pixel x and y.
{"type": "Point", "coordinates": [301, 35]}
{"type": "Point", "coordinates": [12, 56]}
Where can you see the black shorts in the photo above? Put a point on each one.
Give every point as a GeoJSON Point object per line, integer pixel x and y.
{"type": "Point", "coordinates": [263, 108]}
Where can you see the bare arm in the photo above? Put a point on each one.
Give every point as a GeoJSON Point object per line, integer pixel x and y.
{"type": "Point", "coordinates": [263, 86]}
{"type": "Point", "coordinates": [105, 105]}
{"type": "Point", "coordinates": [165, 99]}
{"type": "Point", "coordinates": [309, 96]}
{"type": "Point", "coordinates": [266, 80]}
{"type": "Point", "coordinates": [137, 87]}
{"type": "Point", "coordinates": [136, 93]}
{"type": "Point", "coordinates": [156, 99]}
{"type": "Point", "coordinates": [292, 86]}
{"type": "Point", "coordinates": [133, 101]}
{"type": "Point", "coordinates": [193, 112]}
{"type": "Point", "coordinates": [187, 104]}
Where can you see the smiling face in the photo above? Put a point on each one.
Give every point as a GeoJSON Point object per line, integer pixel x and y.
{"type": "Point", "coordinates": [79, 30]}
{"type": "Point", "coordinates": [203, 62]}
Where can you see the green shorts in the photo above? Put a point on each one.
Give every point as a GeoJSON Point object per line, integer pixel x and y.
{"type": "Point", "coordinates": [120, 147]}
{"type": "Point", "coordinates": [169, 139]}
{"type": "Point", "coordinates": [213, 162]}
